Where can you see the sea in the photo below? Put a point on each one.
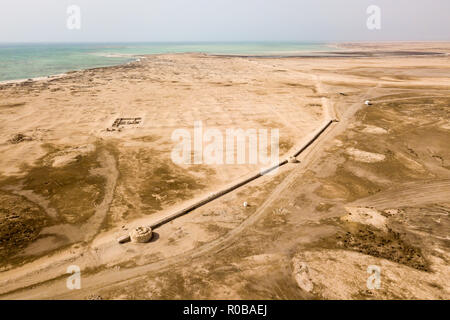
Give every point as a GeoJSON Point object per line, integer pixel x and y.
{"type": "Point", "coordinates": [25, 61]}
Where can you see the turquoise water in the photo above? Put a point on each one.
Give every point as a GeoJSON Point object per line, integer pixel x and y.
{"type": "Point", "coordinates": [37, 60]}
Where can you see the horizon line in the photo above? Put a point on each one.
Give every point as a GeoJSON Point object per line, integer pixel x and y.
{"type": "Point", "coordinates": [223, 41]}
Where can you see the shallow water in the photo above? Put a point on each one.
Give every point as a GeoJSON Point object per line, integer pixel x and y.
{"type": "Point", "coordinates": [23, 61]}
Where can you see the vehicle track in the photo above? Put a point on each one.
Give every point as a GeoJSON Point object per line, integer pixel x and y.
{"type": "Point", "coordinates": [409, 194]}
{"type": "Point", "coordinates": [112, 278]}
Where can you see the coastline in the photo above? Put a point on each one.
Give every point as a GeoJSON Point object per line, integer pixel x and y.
{"type": "Point", "coordinates": [137, 56]}
{"type": "Point", "coordinates": [344, 50]}
{"type": "Point", "coordinates": [64, 74]}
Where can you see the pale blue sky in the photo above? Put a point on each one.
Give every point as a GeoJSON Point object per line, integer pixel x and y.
{"type": "Point", "coordinates": [223, 20]}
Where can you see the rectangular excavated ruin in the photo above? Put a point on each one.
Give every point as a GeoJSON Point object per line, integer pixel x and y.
{"type": "Point", "coordinates": [126, 121]}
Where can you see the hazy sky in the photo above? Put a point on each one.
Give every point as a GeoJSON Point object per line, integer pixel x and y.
{"type": "Point", "coordinates": [223, 20]}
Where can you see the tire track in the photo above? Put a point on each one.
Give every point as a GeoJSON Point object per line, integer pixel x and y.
{"type": "Point", "coordinates": [409, 194]}
{"type": "Point", "coordinates": [108, 278]}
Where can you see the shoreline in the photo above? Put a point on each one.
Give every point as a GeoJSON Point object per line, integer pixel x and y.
{"type": "Point", "coordinates": [64, 74]}
{"type": "Point", "coordinates": [135, 58]}
{"type": "Point", "coordinates": [325, 54]}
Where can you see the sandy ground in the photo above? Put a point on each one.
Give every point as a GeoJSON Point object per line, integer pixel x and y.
{"type": "Point", "coordinates": [372, 190]}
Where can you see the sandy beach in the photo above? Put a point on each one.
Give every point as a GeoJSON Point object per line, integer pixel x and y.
{"type": "Point", "coordinates": [87, 157]}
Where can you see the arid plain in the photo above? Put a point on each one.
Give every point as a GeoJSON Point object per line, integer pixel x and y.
{"type": "Point", "coordinates": [372, 190]}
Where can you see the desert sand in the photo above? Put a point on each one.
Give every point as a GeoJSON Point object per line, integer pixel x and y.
{"type": "Point", "coordinates": [373, 189]}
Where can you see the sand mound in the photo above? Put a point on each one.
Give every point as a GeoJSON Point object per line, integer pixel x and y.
{"type": "Point", "coordinates": [301, 275]}
{"type": "Point", "coordinates": [446, 126]}
{"type": "Point", "coordinates": [343, 274]}
{"type": "Point", "coordinates": [374, 130]}
{"type": "Point", "coordinates": [364, 156]}
{"type": "Point", "coordinates": [367, 216]}
{"type": "Point", "coordinates": [66, 157]}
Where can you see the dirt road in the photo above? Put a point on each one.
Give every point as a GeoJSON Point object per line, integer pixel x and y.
{"type": "Point", "coordinates": [108, 278]}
